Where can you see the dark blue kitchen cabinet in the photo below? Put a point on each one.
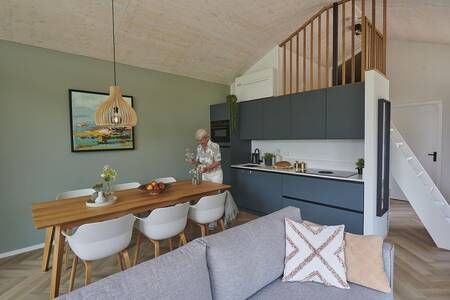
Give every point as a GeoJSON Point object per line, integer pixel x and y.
{"type": "Point", "coordinates": [251, 120]}
{"type": "Point", "coordinates": [308, 115]}
{"type": "Point", "coordinates": [276, 118]}
{"type": "Point", "coordinates": [338, 193]}
{"type": "Point", "coordinates": [325, 215]}
{"type": "Point", "coordinates": [345, 112]}
{"type": "Point", "coordinates": [219, 112]}
{"type": "Point", "coordinates": [225, 152]}
{"type": "Point", "coordinates": [257, 191]}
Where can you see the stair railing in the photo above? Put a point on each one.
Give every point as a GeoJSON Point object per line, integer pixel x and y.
{"type": "Point", "coordinates": [322, 52]}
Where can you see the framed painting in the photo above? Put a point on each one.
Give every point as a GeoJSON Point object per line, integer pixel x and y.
{"type": "Point", "coordinates": [85, 135]}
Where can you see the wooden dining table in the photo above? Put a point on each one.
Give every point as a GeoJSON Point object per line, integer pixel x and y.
{"type": "Point", "coordinates": [58, 215]}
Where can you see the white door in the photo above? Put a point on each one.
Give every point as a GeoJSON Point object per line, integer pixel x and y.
{"type": "Point", "coordinates": [421, 126]}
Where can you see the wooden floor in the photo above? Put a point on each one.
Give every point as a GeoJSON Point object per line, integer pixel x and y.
{"type": "Point", "coordinates": [421, 270]}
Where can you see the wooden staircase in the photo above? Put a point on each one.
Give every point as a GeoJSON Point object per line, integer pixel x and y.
{"type": "Point", "coordinates": [340, 41]}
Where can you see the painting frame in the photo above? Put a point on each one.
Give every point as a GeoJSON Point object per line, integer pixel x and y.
{"type": "Point", "coordinates": [74, 147]}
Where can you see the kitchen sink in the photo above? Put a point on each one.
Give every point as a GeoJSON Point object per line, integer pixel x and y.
{"type": "Point", "coordinates": [251, 166]}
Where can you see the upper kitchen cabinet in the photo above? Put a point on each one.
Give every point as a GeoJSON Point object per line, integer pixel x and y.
{"type": "Point", "coordinates": [308, 115]}
{"type": "Point", "coordinates": [251, 120]}
{"type": "Point", "coordinates": [345, 112]}
{"type": "Point", "coordinates": [276, 118]}
{"type": "Point", "coordinates": [219, 112]}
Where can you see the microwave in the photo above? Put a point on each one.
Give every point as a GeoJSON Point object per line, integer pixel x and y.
{"type": "Point", "coordinates": [220, 131]}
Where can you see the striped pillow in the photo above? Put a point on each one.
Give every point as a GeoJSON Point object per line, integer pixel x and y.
{"type": "Point", "coordinates": [315, 253]}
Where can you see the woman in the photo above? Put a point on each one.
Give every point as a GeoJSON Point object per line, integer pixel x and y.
{"type": "Point", "coordinates": [208, 157]}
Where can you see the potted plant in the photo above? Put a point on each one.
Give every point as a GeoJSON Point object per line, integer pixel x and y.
{"type": "Point", "coordinates": [360, 165]}
{"type": "Point", "coordinates": [268, 159]}
{"type": "Point", "coordinates": [234, 109]}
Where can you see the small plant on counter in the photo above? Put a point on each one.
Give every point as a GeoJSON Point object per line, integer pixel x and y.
{"type": "Point", "coordinates": [360, 165]}
{"type": "Point", "coordinates": [234, 111]}
{"type": "Point", "coordinates": [268, 159]}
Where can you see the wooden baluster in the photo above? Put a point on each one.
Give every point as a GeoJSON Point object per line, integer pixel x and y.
{"type": "Point", "coordinates": [290, 67]}
{"type": "Point", "coordinates": [374, 29]}
{"type": "Point", "coordinates": [327, 54]}
{"type": "Point", "coordinates": [284, 69]}
{"type": "Point", "coordinates": [384, 35]}
{"type": "Point", "coordinates": [363, 39]}
{"type": "Point", "coordinates": [304, 59]}
{"type": "Point", "coordinates": [353, 42]}
{"type": "Point", "coordinates": [319, 54]}
{"type": "Point", "coordinates": [343, 82]}
{"type": "Point", "coordinates": [298, 56]}
{"type": "Point", "coordinates": [311, 58]}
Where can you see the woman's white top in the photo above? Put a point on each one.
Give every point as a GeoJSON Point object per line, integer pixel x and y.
{"type": "Point", "coordinates": [207, 156]}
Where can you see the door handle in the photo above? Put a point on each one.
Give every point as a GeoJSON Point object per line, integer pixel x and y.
{"type": "Point", "coordinates": [434, 154]}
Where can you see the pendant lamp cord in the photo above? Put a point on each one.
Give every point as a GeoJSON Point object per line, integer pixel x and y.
{"type": "Point", "coordinates": [114, 43]}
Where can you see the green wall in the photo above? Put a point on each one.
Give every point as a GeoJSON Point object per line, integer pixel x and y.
{"type": "Point", "coordinates": [35, 158]}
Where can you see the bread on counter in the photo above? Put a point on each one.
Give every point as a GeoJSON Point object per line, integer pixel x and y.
{"type": "Point", "coordinates": [282, 165]}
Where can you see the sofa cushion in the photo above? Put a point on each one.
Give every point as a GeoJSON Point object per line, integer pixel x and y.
{"type": "Point", "coordinates": [315, 253]}
{"type": "Point", "coordinates": [244, 259]}
{"type": "Point", "coordinates": [311, 290]}
{"type": "Point", "coordinates": [364, 261]}
{"type": "Point", "coordinates": [176, 275]}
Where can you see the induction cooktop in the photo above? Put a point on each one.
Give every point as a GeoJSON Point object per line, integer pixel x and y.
{"type": "Point", "coordinates": [331, 173]}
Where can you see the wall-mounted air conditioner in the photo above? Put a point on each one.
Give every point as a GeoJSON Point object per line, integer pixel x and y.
{"type": "Point", "coordinates": [256, 85]}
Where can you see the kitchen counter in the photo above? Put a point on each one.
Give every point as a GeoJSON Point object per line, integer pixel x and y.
{"type": "Point", "coordinates": [254, 167]}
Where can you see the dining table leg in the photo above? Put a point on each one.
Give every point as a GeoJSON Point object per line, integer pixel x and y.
{"type": "Point", "coordinates": [58, 252]}
{"type": "Point", "coordinates": [48, 241]}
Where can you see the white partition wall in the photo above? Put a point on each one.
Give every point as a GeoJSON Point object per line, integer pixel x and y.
{"type": "Point", "coordinates": [376, 87]}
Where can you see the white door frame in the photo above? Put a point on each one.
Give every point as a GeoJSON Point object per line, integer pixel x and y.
{"type": "Point", "coordinates": [439, 142]}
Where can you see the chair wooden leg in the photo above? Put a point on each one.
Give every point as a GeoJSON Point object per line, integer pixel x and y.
{"type": "Point", "coordinates": [73, 273]}
{"type": "Point", "coordinates": [88, 272]}
{"type": "Point", "coordinates": [183, 240]}
{"type": "Point", "coordinates": [126, 258]}
{"type": "Point", "coordinates": [120, 262]}
{"type": "Point", "coordinates": [66, 252]}
{"type": "Point", "coordinates": [222, 224]}
{"type": "Point", "coordinates": [49, 234]}
{"type": "Point", "coordinates": [157, 247]}
{"type": "Point", "coordinates": [170, 244]}
{"type": "Point", "coordinates": [206, 229]}
{"type": "Point", "coordinates": [138, 248]}
{"type": "Point", "coordinates": [203, 229]}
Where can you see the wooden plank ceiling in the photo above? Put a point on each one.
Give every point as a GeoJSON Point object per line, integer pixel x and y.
{"type": "Point", "coordinates": [213, 40]}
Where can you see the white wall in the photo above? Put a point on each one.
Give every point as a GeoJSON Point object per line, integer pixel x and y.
{"type": "Point", "coordinates": [420, 72]}
{"type": "Point", "coordinates": [376, 87]}
{"type": "Point", "coordinates": [322, 154]}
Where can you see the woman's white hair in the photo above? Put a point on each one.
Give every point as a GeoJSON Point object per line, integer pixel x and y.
{"type": "Point", "coordinates": [201, 133]}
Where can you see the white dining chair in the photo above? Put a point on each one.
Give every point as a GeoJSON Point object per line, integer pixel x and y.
{"type": "Point", "coordinates": [207, 210]}
{"type": "Point", "coordinates": [165, 180]}
{"type": "Point", "coordinates": [75, 193]}
{"type": "Point", "coordinates": [162, 224]}
{"type": "Point", "coordinates": [49, 241]}
{"type": "Point", "coordinates": [99, 240]}
{"type": "Point", "coordinates": [125, 186]}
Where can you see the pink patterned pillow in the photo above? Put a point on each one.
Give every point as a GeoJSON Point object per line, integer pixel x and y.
{"type": "Point", "coordinates": [315, 253]}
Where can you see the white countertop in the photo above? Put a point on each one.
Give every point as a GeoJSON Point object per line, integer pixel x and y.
{"type": "Point", "coordinates": [355, 178]}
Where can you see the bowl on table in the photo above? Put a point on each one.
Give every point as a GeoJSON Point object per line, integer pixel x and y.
{"type": "Point", "coordinates": [155, 188]}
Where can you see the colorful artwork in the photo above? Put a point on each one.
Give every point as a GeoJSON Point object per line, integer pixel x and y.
{"type": "Point", "coordinates": [86, 136]}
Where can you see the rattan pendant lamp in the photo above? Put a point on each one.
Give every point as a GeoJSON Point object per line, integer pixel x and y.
{"type": "Point", "coordinates": [115, 112]}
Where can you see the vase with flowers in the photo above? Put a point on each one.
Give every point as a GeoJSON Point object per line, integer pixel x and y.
{"type": "Point", "coordinates": [195, 171]}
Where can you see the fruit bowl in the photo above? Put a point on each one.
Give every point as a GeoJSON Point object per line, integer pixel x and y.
{"type": "Point", "coordinates": [155, 188]}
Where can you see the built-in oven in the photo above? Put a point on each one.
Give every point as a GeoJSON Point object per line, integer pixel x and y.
{"type": "Point", "coordinates": [220, 132]}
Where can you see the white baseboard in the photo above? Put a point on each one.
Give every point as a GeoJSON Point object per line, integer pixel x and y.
{"type": "Point", "coordinates": [22, 250]}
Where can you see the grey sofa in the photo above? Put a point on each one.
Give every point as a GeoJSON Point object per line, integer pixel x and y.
{"type": "Point", "coordinates": [244, 262]}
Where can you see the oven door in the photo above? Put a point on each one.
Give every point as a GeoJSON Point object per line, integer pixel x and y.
{"type": "Point", "coordinates": [220, 132]}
